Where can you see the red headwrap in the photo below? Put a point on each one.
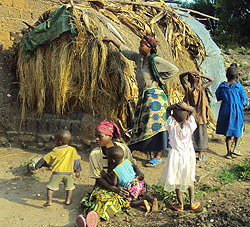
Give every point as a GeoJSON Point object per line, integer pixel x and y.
{"type": "Point", "coordinates": [150, 42]}
{"type": "Point", "coordinates": [109, 128]}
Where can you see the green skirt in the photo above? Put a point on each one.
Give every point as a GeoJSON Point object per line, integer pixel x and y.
{"type": "Point", "coordinates": [105, 203]}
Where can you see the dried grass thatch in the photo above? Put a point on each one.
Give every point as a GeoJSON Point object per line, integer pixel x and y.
{"type": "Point", "coordinates": [85, 74]}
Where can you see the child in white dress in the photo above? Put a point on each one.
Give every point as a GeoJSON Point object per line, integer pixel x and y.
{"type": "Point", "coordinates": [179, 172]}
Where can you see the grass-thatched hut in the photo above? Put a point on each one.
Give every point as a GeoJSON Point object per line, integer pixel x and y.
{"type": "Point", "coordinates": [64, 66]}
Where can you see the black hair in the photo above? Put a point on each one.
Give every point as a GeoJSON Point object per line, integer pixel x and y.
{"type": "Point", "coordinates": [115, 153]}
{"type": "Point", "coordinates": [232, 73]}
{"type": "Point", "coordinates": [234, 65]}
{"type": "Point", "coordinates": [180, 115]}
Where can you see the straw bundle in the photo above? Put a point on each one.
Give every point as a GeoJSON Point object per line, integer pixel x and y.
{"type": "Point", "coordinates": [83, 73]}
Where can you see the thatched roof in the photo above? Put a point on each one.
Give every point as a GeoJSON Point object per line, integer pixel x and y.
{"type": "Point", "coordinates": [83, 73]}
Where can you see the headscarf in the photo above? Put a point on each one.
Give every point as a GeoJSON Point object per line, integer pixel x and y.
{"type": "Point", "coordinates": [109, 128]}
{"type": "Point", "coordinates": [150, 42]}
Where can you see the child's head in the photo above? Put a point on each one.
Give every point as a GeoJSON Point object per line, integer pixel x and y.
{"type": "Point", "coordinates": [193, 78]}
{"type": "Point", "coordinates": [232, 73]}
{"type": "Point", "coordinates": [62, 137]}
{"type": "Point", "coordinates": [180, 115]}
{"type": "Point", "coordinates": [115, 155]}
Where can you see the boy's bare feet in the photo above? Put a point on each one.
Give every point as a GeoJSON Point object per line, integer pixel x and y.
{"type": "Point", "coordinates": [155, 205]}
{"type": "Point", "coordinates": [147, 206]}
{"type": "Point", "coordinates": [47, 204]}
{"type": "Point", "coordinates": [67, 202]}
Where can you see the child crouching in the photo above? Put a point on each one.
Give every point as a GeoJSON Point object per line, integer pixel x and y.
{"type": "Point", "coordinates": [64, 161]}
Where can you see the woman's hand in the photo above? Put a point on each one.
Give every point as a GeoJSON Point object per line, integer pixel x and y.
{"type": "Point", "coordinates": [104, 174]}
{"type": "Point", "coordinates": [77, 174]}
{"type": "Point", "coordinates": [123, 192]}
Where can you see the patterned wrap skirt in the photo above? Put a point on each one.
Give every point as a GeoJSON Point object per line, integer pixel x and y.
{"type": "Point", "coordinates": [150, 119]}
{"type": "Point", "coordinates": [105, 203]}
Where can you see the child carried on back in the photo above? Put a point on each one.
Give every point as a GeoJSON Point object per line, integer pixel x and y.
{"type": "Point", "coordinates": [123, 174]}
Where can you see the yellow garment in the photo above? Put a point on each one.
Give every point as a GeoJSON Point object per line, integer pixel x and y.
{"type": "Point", "coordinates": [61, 159]}
{"type": "Point", "coordinates": [98, 163]}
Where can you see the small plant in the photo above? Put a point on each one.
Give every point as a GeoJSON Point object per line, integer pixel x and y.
{"type": "Point", "coordinates": [23, 145]}
{"type": "Point", "coordinates": [36, 178]}
{"type": "Point", "coordinates": [6, 144]}
{"type": "Point", "coordinates": [162, 195]}
{"type": "Point", "coordinates": [240, 171]}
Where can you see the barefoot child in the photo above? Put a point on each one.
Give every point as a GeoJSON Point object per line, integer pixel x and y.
{"type": "Point", "coordinates": [64, 161]}
{"type": "Point", "coordinates": [231, 115]}
{"type": "Point", "coordinates": [123, 174]}
{"type": "Point", "coordinates": [179, 172]}
{"type": "Point", "coordinates": [195, 96]}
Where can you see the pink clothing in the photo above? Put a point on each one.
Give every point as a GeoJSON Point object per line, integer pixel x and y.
{"type": "Point", "coordinates": [179, 172]}
{"type": "Point", "coordinates": [137, 189]}
{"type": "Point", "coordinates": [109, 128]}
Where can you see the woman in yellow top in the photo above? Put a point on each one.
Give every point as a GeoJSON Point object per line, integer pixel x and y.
{"type": "Point", "coordinates": [152, 72]}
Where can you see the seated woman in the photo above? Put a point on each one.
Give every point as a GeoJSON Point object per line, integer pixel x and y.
{"type": "Point", "coordinates": [105, 200]}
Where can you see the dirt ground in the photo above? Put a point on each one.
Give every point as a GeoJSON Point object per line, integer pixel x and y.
{"type": "Point", "coordinates": [22, 194]}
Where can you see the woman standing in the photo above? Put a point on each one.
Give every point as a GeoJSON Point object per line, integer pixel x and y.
{"type": "Point", "coordinates": [152, 72]}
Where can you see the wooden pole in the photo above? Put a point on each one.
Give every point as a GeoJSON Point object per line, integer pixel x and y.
{"type": "Point", "coordinates": [151, 4]}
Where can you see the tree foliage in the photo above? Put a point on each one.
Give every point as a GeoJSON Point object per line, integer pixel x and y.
{"type": "Point", "coordinates": [233, 28]}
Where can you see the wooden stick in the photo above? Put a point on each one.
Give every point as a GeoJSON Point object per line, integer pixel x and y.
{"type": "Point", "coordinates": [194, 11]}
{"type": "Point", "coordinates": [30, 26]}
{"type": "Point", "coordinates": [158, 7]}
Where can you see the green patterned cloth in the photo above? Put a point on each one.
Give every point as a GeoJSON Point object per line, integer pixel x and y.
{"type": "Point", "coordinates": [150, 114]}
{"type": "Point", "coordinates": [105, 203]}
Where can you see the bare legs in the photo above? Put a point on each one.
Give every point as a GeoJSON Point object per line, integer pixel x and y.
{"type": "Point", "coordinates": [235, 143]}
{"type": "Point", "coordinates": [193, 204]}
{"type": "Point", "coordinates": [49, 198]}
{"type": "Point", "coordinates": [50, 195]}
{"type": "Point", "coordinates": [68, 197]}
{"type": "Point", "coordinates": [144, 202]}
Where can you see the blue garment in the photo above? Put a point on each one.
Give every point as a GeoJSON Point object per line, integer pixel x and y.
{"type": "Point", "coordinates": [125, 173]}
{"type": "Point", "coordinates": [231, 115]}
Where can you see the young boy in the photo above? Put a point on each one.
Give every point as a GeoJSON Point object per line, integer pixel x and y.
{"type": "Point", "coordinates": [64, 161]}
{"type": "Point", "coordinates": [195, 96]}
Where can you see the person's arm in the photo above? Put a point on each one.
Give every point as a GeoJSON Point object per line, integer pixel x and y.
{"type": "Point", "coordinates": [111, 178]}
{"type": "Point", "coordinates": [129, 54]}
{"type": "Point", "coordinates": [186, 107]}
{"type": "Point", "coordinates": [139, 174]}
{"type": "Point", "coordinates": [182, 80]}
{"type": "Point", "coordinates": [41, 163]}
{"type": "Point", "coordinates": [208, 83]}
{"type": "Point", "coordinates": [77, 168]}
{"type": "Point", "coordinates": [110, 40]}
{"type": "Point", "coordinates": [170, 108]}
{"type": "Point", "coordinates": [165, 68]}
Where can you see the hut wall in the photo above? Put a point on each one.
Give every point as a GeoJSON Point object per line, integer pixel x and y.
{"type": "Point", "coordinates": [13, 12]}
{"type": "Point", "coordinates": [35, 133]}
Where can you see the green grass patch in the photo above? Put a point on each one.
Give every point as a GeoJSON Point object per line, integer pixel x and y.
{"type": "Point", "coordinates": [240, 171]}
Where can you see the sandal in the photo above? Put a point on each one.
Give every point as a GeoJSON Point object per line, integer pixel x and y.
{"type": "Point", "coordinates": [176, 206]}
{"type": "Point", "coordinates": [154, 162]}
{"type": "Point", "coordinates": [237, 152]}
{"type": "Point", "coordinates": [228, 156]}
{"type": "Point", "coordinates": [92, 219]}
{"type": "Point", "coordinates": [80, 221]}
{"type": "Point", "coordinates": [195, 206]}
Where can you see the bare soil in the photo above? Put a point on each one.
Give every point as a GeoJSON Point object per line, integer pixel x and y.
{"type": "Point", "coordinates": [23, 194]}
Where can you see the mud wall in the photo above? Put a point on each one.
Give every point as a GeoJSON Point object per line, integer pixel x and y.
{"type": "Point", "coordinates": [35, 133]}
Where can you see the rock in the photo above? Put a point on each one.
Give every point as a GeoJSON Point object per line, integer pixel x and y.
{"type": "Point", "coordinates": [27, 138]}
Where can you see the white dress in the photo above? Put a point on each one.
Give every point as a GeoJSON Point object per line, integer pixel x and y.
{"type": "Point", "coordinates": [179, 172]}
